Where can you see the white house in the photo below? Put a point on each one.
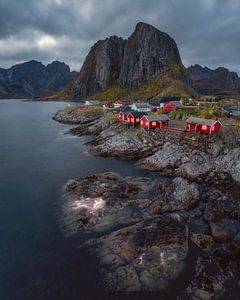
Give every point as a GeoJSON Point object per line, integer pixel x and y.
{"type": "Point", "coordinates": [91, 102]}
{"type": "Point", "coordinates": [141, 107]}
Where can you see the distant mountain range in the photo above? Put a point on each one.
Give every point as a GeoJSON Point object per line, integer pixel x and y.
{"type": "Point", "coordinates": [214, 82]}
{"type": "Point", "coordinates": [32, 79]}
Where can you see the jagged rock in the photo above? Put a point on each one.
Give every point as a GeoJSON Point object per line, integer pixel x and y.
{"type": "Point", "coordinates": [179, 160]}
{"type": "Point", "coordinates": [216, 277]}
{"type": "Point", "coordinates": [223, 218]}
{"type": "Point", "coordinates": [236, 241]}
{"type": "Point", "coordinates": [203, 241]}
{"type": "Point", "coordinates": [74, 116]}
{"type": "Point", "coordinates": [145, 256]}
{"type": "Point", "coordinates": [120, 142]}
{"type": "Point", "coordinates": [180, 194]}
{"type": "Point", "coordinates": [100, 195]}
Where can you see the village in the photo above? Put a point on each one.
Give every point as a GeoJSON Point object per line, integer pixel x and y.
{"type": "Point", "coordinates": [173, 113]}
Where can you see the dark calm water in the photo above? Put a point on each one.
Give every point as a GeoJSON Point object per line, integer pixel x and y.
{"type": "Point", "coordinates": [37, 261]}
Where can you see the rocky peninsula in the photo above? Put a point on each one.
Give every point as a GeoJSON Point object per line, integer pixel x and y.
{"type": "Point", "coordinates": [152, 229]}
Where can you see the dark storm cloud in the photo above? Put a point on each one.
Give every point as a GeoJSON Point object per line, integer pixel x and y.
{"type": "Point", "coordinates": [206, 31]}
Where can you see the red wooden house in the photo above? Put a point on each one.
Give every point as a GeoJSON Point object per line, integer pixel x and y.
{"type": "Point", "coordinates": [171, 106]}
{"type": "Point", "coordinates": [134, 117]}
{"type": "Point", "coordinates": [154, 121]}
{"type": "Point", "coordinates": [123, 117]}
{"type": "Point", "coordinates": [120, 103]}
{"type": "Point", "coordinates": [203, 125]}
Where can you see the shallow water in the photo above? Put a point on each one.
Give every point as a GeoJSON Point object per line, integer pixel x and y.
{"type": "Point", "coordinates": [37, 260]}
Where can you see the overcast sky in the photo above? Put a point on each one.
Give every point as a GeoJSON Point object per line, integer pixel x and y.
{"type": "Point", "coordinates": [207, 31]}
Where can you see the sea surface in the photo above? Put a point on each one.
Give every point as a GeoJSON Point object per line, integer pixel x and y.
{"type": "Point", "coordinates": [38, 260]}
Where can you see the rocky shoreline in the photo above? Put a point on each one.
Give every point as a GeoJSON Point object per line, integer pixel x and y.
{"type": "Point", "coordinates": [152, 223]}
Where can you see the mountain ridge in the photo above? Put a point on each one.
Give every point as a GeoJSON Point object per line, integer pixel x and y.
{"type": "Point", "coordinates": [214, 81]}
{"type": "Point", "coordinates": [32, 79]}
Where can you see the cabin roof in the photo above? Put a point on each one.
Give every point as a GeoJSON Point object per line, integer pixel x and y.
{"type": "Point", "coordinates": [155, 102]}
{"type": "Point", "coordinates": [201, 121]}
{"type": "Point", "coordinates": [160, 118]}
{"type": "Point", "coordinates": [93, 101]}
{"type": "Point", "coordinates": [142, 105]}
{"type": "Point", "coordinates": [125, 112]}
{"type": "Point", "coordinates": [137, 114]}
{"type": "Point", "coordinates": [176, 103]}
{"type": "Point", "coordinates": [169, 99]}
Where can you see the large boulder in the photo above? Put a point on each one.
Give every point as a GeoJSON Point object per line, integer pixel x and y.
{"type": "Point", "coordinates": [180, 194]}
{"type": "Point", "coordinates": [145, 256]}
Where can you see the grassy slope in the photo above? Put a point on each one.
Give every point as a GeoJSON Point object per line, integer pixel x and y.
{"type": "Point", "coordinates": [170, 83]}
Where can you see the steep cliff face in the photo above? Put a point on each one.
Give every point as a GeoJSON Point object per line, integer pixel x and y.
{"type": "Point", "coordinates": [34, 79]}
{"type": "Point", "coordinates": [129, 63]}
{"type": "Point", "coordinates": [147, 52]}
{"type": "Point", "coordinates": [212, 82]}
{"type": "Point", "coordinates": [101, 67]}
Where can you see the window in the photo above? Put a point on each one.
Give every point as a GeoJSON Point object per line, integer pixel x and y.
{"type": "Point", "coordinates": [141, 122]}
{"type": "Point", "coordinates": [137, 119]}
{"type": "Point", "coordinates": [147, 123]}
{"type": "Point", "coordinates": [204, 127]}
{"type": "Point", "coordinates": [132, 119]}
{"type": "Point", "coordinates": [154, 123]}
{"type": "Point", "coordinates": [213, 128]}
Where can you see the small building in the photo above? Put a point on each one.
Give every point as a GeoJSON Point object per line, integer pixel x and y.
{"type": "Point", "coordinates": [141, 107]}
{"type": "Point", "coordinates": [134, 117]}
{"type": "Point", "coordinates": [171, 106]}
{"type": "Point", "coordinates": [234, 113]}
{"type": "Point", "coordinates": [91, 102]}
{"type": "Point", "coordinates": [123, 117]}
{"type": "Point", "coordinates": [203, 125]}
{"type": "Point", "coordinates": [106, 104]}
{"type": "Point", "coordinates": [154, 121]}
{"type": "Point", "coordinates": [120, 103]}
{"type": "Point", "coordinates": [156, 104]}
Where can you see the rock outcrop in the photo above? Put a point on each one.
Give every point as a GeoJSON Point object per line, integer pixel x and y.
{"type": "Point", "coordinates": [213, 82]}
{"type": "Point", "coordinates": [143, 229]}
{"type": "Point", "coordinates": [32, 79]}
{"type": "Point", "coordinates": [145, 256]}
{"type": "Point", "coordinates": [197, 165]}
{"type": "Point", "coordinates": [129, 63]}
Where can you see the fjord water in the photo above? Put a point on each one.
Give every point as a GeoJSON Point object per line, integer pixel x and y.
{"type": "Point", "coordinates": [37, 261]}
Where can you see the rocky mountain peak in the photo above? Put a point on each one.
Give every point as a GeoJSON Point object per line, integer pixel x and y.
{"type": "Point", "coordinates": [129, 63]}
{"type": "Point", "coordinates": [32, 78]}
{"type": "Point", "coordinates": [214, 82]}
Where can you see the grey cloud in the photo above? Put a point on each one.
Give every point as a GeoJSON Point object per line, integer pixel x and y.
{"type": "Point", "coordinates": [206, 31]}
